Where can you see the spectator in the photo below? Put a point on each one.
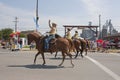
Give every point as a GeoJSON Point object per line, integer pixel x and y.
{"type": "Point", "coordinates": [32, 45]}
{"type": "Point", "coordinates": [104, 46]}
{"type": "Point", "coordinates": [20, 43]}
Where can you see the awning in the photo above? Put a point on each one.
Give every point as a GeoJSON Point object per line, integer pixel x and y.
{"type": "Point", "coordinates": [14, 33]}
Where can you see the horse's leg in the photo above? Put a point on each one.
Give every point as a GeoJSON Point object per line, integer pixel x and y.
{"type": "Point", "coordinates": [43, 59]}
{"type": "Point", "coordinates": [56, 54]}
{"type": "Point", "coordinates": [63, 55]}
{"type": "Point", "coordinates": [76, 54]}
{"type": "Point", "coordinates": [86, 51]}
{"type": "Point", "coordinates": [81, 52]}
{"type": "Point", "coordinates": [36, 57]}
{"type": "Point", "coordinates": [70, 58]}
{"type": "Point", "coordinates": [78, 50]}
{"type": "Point", "coordinates": [82, 49]}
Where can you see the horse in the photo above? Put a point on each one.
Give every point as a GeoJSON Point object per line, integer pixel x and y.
{"type": "Point", "coordinates": [59, 44]}
{"type": "Point", "coordinates": [81, 45]}
{"type": "Point", "coordinates": [78, 47]}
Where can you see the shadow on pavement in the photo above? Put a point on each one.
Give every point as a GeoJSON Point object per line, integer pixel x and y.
{"type": "Point", "coordinates": [60, 58]}
{"type": "Point", "coordinates": [32, 66]}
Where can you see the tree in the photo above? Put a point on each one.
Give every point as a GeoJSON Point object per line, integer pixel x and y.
{"type": "Point", "coordinates": [5, 33]}
{"type": "Point", "coordinates": [22, 35]}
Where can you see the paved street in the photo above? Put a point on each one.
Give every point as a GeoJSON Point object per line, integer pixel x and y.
{"type": "Point", "coordinates": [18, 65]}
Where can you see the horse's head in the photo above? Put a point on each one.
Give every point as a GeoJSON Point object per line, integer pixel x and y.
{"type": "Point", "coordinates": [29, 39]}
{"type": "Point", "coordinates": [34, 36]}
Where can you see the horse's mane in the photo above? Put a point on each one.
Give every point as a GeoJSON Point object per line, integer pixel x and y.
{"type": "Point", "coordinates": [36, 34]}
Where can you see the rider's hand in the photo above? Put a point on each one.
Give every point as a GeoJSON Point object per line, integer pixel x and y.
{"type": "Point", "coordinates": [49, 20]}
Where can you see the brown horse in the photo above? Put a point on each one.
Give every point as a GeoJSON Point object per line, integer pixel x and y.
{"type": "Point", "coordinates": [60, 44]}
{"type": "Point", "coordinates": [78, 47]}
{"type": "Point", "coordinates": [81, 45]}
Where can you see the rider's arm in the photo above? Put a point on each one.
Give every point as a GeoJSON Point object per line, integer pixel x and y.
{"type": "Point", "coordinates": [49, 24]}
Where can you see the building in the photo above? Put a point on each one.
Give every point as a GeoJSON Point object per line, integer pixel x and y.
{"type": "Point", "coordinates": [88, 34]}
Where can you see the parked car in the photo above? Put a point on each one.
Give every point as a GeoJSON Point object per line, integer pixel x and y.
{"type": "Point", "coordinates": [118, 45]}
{"type": "Point", "coordinates": [3, 44]}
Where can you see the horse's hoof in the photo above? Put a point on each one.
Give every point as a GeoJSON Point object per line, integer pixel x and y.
{"type": "Point", "coordinates": [75, 57]}
{"type": "Point", "coordinates": [60, 65]}
{"type": "Point", "coordinates": [72, 65]}
{"type": "Point", "coordinates": [34, 63]}
{"type": "Point", "coordinates": [82, 56]}
{"type": "Point", "coordinates": [43, 64]}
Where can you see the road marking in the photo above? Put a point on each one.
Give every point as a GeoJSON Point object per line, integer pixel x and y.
{"type": "Point", "coordinates": [108, 71]}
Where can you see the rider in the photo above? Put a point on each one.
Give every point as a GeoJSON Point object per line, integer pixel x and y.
{"type": "Point", "coordinates": [52, 33]}
{"type": "Point", "coordinates": [68, 34]}
{"type": "Point", "coordinates": [69, 38]}
{"type": "Point", "coordinates": [75, 36]}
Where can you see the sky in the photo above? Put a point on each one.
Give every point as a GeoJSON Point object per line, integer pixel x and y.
{"type": "Point", "coordinates": [62, 12]}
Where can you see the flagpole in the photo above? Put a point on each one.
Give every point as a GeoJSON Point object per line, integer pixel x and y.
{"type": "Point", "coordinates": [37, 18]}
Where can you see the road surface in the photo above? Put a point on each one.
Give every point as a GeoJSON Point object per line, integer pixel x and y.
{"type": "Point", "coordinates": [18, 65]}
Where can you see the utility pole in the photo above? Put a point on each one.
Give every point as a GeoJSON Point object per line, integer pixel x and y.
{"type": "Point", "coordinates": [110, 27]}
{"type": "Point", "coordinates": [16, 21]}
{"type": "Point", "coordinates": [16, 35]}
{"type": "Point", "coordinates": [100, 26]}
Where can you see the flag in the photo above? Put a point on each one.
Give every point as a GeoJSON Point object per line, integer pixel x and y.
{"type": "Point", "coordinates": [36, 23]}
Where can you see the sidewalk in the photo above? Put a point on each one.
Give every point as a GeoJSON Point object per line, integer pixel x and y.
{"type": "Point", "coordinates": [28, 49]}
{"type": "Point", "coordinates": [114, 50]}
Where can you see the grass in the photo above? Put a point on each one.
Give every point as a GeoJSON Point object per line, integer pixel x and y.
{"type": "Point", "coordinates": [26, 46]}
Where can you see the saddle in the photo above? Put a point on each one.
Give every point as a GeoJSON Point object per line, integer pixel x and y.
{"type": "Point", "coordinates": [52, 41]}
{"type": "Point", "coordinates": [49, 42]}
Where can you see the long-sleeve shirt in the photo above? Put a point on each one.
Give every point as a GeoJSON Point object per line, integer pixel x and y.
{"type": "Point", "coordinates": [68, 35]}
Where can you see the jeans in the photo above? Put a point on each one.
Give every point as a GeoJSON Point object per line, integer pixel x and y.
{"type": "Point", "coordinates": [47, 40]}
